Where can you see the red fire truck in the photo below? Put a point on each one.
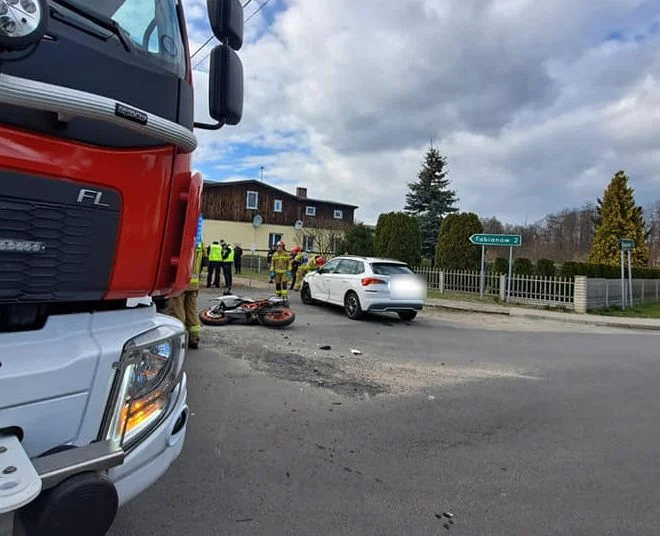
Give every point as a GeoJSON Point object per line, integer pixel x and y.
{"type": "Point", "coordinates": [98, 214]}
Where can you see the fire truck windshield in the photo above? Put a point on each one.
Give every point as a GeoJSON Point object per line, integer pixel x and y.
{"type": "Point", "coordinates": [151, 26]}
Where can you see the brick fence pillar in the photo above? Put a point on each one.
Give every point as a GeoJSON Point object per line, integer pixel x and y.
{"type": "Point", "coordinates": [580, 294]}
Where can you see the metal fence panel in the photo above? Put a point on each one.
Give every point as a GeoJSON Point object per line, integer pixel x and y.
{"type": "Point", "coordinates": [531, 289]}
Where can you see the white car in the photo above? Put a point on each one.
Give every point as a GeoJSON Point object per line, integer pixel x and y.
{"type": "Point", "coordinates": [366, 284]}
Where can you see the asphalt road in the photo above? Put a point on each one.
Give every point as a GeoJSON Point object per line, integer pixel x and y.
{"type": "Point", "coordinates": [514, 428]}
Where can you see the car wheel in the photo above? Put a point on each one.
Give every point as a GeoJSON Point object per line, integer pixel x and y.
{"type": "Point", "coordinates": [306, 295]}
{"type": "Point", "coordinates": [352, 306]}
{"type": "Point", "coordinates": [407, 315]}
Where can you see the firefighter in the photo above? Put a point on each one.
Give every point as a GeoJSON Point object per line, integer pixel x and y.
{"type": "Point", "coordinates": [303, 269]}
{"type": "Point", "coordinates": [184, 306]}
{"type": "Point", "coordinates": [280, 270]}
{"type": "Point", "coordinates": [296, 264]}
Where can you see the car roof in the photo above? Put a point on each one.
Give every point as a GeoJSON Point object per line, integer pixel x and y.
{"type": "Point", "coordinates": [370, 259]}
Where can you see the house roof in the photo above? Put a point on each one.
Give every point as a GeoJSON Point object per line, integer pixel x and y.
{"type": "Point", "coordinates": [213, 184]}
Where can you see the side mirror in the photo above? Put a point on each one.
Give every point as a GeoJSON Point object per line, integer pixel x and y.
{"type": "Point", "coordinates": [225, 86]}
{"type": "Point", "coordinates": [226, 70]}
{"type": "Point", "coordinates": [226, 17]}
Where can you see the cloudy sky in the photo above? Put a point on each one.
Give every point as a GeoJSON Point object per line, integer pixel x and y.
{"type": "Point", "coordinates": [535, 104]}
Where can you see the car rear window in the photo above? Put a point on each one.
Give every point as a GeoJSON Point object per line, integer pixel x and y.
{"type": "Point", "coordinates": [390, 268]}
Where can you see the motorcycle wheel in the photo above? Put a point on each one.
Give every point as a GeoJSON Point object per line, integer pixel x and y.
{"type": "Point", "coordinates": [277, 318]}
{"type": "Point", "coordinates": [210, 318]}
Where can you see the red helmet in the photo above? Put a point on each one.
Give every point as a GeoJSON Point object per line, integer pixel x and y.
{"type": "Point", "coordinates": [296, 249]}
{"type": "Point", "coordinates": [281, 243]}
{"type": "Point", "coordinates": [320, 261]}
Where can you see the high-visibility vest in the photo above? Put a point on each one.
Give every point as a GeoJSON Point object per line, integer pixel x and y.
{"type": "Point", "coordinates": [230, 257]}
{"type": "Point", "coordinates": [196, 266]}
{"type": "Point", "coordinates": [215, 253]}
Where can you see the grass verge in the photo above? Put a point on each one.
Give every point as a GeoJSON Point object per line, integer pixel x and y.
{"type": "Point", "coordinates": [651, 310]}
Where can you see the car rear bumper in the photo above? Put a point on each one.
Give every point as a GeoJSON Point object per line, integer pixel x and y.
{"type": "Point", "coordinates": [392, 306]}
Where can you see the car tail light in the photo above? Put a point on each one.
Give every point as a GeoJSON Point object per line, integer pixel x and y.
{"type": "Point", "coordinates": [366, 281]}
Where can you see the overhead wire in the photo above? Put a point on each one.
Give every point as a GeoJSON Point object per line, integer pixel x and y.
{"type": "Point", "coordinates": [201, 47]}
{"type": "Point", "coordinates": [261, 6]}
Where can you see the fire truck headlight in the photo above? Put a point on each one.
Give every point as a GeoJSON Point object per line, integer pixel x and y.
{"type": "Point", "coordinates": [148, 372]}
{"type": "Point", "coordinates": [22, 23]}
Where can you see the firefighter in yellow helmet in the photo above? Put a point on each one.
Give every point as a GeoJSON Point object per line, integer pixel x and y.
{"type": "Point", "coordinates": [184, 306]}
{"type": "Point", "coordinates": [280, 270]}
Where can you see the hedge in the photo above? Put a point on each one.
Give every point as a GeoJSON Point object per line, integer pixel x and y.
{"type": "Point", "coordinates": [607, 271]}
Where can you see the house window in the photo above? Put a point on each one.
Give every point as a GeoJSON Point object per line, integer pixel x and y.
{"type": "Point", "coordinates": [310, 211]}
{"type": "Point", "coordinates": [339, 214]}
{"type": "Point", "coordinates": [273, 238]}
{"type": "Point", "coordinates": [308, 243]}
{"type": "Point", "coordinates": [277, 205]}
{"type": "Point", "coordinates": [252, 198]}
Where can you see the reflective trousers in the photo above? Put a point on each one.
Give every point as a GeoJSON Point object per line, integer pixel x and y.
{"type": "Point", "coordinates": [184, 308]}
{"type": "Point", "coordinates": [280, 285]}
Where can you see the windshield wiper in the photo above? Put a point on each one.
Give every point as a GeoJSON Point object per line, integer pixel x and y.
{"type": "Point", "coordinates": [97, 18]}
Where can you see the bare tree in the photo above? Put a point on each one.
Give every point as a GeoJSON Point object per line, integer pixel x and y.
{"type": "Point", "coordinates": [324, 240]}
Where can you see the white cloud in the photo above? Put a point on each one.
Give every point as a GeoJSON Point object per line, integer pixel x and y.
{"type": "Point", "coordinates": [533, 107]}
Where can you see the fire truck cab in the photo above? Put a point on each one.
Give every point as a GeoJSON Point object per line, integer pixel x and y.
{"type": "Point", "coordinates": [98, 214]}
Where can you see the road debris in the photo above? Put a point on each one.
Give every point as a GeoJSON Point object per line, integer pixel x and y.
{"type": "Point", "coordinates": [325, 347]}
{"type": "Point", "coordinates": [355, 351]}
{"type": "Point", "coordinates": [430, 397]}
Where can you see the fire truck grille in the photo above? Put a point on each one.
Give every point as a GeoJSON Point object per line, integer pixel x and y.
{"type": "Point", "coordinates": [57, 239]}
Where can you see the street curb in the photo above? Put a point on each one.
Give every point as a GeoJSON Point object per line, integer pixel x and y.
{"type": "Point", "coordinates": [517, 313]}
{"type": "Point", "coordinates": [467, 309]}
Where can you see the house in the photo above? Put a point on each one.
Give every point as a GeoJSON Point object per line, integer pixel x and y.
{"type": "Point", "coordinates": [257, 215]}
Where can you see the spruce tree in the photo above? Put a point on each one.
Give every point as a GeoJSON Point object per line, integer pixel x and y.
{"type": "Point", "coordinates": [430, 199]}
{"type": "Point", "coordinates": [617, 216]}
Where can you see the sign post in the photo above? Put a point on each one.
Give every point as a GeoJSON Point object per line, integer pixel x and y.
{"type": "Point", "coordinates": [626, 244]}
{"type": "Point", "coordinates": [623, 284]}
{"type": "Point", "coordinates": [481, 274]}
{"type": "Point", "coordinates": [508, 279]}
{"type": "Point", "coordinates": [630, 293]}
{"type": "Point", "coordinates": [483, 240]}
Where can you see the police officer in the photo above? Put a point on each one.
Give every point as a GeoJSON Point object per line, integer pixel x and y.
{"type": "Point", "coordinates": [227, 263]}
{"type": "Point", "coordinates": [215, 260]}
{"type": "Point", "coordinates": [184, 306]}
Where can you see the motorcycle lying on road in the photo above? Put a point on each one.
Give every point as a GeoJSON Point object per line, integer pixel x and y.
{"type": "Point", "coordinates": [272, 312]}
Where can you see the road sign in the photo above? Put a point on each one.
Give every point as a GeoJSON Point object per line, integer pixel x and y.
{"type": "Point", "coordinates": [496, 240]}
{"type": "Point", "coordinates": [626, 244]}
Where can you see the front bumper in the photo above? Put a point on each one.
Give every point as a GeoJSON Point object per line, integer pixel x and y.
{"type": "Point", "coordinates": [151, 458]}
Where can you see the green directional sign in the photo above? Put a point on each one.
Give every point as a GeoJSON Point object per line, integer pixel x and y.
{"type": "Point", "coordinates": [626, 244]}
{"type": "Point", "coordinates": [496, 240]}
